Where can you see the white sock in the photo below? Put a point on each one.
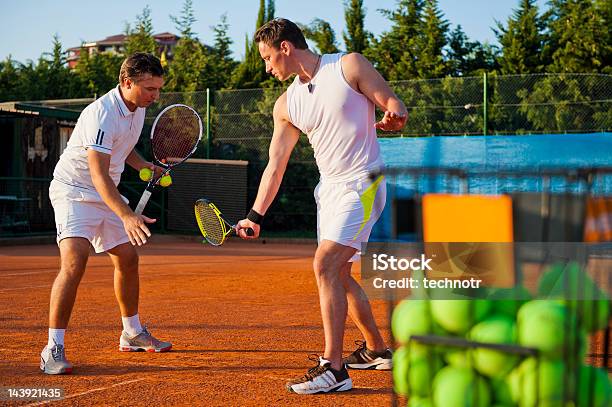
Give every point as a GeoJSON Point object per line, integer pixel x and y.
{"type": "Point", "coordinates": [56, 336]}
{"type": "Point", "coordinates": [131, 325]}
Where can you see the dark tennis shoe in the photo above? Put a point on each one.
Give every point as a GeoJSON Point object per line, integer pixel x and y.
{"type": "Point", "coordinates": [366, 359]}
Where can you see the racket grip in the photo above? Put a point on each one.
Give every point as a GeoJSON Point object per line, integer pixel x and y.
{"type": "Point", "coordinates": [143, 202]}
{"type": "Point", "coordinates": [250, 232]}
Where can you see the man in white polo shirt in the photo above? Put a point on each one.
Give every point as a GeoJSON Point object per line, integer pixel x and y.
{"type": "Point", "coordinates": [90, 211]}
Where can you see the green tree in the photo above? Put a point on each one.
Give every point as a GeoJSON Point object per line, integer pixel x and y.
{"type": "Point", "coordinates": [466, 57]}
{"type": "Point", "coordinates": [187, 71]}
{"type": "Point", "coordinates": [59, 83]}
{"type": "Point", "coordinates": [9, 80]}
{"type": "Point", "coordinates": [97, 73]}
{"type": "Point", "coordinates": [184, 23]}
{"type": "Point", "coordinates": [323, 35]}
{"type": "Point", "coordinates": [270, 11]}
{"type": "Point", "coordinates": [251, 72]}
{"type": "Point", "coordinates": [522, 40]}
{"type": "Point", "coordinates": [356, 38]}
{"type": "Point", "coordinates": [580, 36]}
{"type": "Point", "coordinates": [221, 61]}
{"type": "Point", "coordinates": [430, 62]}
{"type": "Point", "coordinates": [394, 53]}
{"type": "Point", "coordinates": [140, 39]}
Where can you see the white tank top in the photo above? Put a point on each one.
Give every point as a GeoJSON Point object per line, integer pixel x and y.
{"type": "Point", "coordinates": [338, 121]}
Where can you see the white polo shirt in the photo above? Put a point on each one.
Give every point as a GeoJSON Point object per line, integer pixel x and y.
{"type": "Point", "coordinates": [106, 126]}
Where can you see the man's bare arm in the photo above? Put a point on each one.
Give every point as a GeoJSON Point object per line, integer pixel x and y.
{"type": "Point", "coordinates": [284, 138]}
{"type": "Point", "coordinates": [364, 78]}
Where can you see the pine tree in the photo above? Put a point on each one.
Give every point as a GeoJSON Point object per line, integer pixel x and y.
{"type": "Point", "coordinates": [356, 38]}
{"type": "Point", "coordinates": [140, 39]}
{"type": "Point", "coordinates": [321, 32]}
{"type": "Point", "coordinates": [270, 11]}
{"type": "Point", "coordinates": [394, 54]}
{"type": "Point", "coordinates": [220, 59]}
{"type": "Point", "coordinates": [9, 80]}
{"type": "Point", "coordinates": [184, 23]}
{"type": "Point", "coordinates": [187, 70]}
{"type": "Point", "coordinates": [251, 72]}
{"type": "Point", "coordinates": [580, 36]}
{"type": "Point", "coordinates": [430, 62]}
{"type": "Point", "coordinates": [466, 58]}
{"type": "Point", "coordinates": [522, 40]}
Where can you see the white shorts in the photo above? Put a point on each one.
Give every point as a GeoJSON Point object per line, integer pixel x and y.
{"type": "Point", "coordinates": [82, 213]}
{"type": "Point", "coordinates": [346, 211]}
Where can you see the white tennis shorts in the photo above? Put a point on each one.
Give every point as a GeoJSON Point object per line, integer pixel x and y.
{"type": "Point", "coordinates": [346, 211]}
{"type": "Point", "coordinates": [82, 213]}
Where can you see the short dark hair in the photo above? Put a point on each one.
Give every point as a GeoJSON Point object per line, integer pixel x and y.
{"type": "Point", "coordinates": [278, 30]}
{"type": "Point", "coordinates": [139, 64]}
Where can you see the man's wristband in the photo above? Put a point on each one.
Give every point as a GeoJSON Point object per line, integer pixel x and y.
{"type": "Point", "coordinates": [255, 217]}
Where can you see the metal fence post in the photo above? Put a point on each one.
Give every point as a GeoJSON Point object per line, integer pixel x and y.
{"type": "Point", "coordinates": [484, 104]}
{"type": "Point", "coordinates": [207, 122]}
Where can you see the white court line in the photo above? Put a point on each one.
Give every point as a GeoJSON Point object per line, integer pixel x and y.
{"type": "Point", "coordinates": [86, 392]}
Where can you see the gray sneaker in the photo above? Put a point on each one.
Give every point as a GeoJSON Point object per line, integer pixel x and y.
{"type": "Point", "coordinates": [144, 341]}
{"type": "Point", "coordinates": [53, 360]}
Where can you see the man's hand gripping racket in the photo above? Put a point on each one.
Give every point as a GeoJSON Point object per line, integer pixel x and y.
{"type": "Point", "coordinates": [175, 135]}
{"type": "Point", "coordinates": [214, 226]}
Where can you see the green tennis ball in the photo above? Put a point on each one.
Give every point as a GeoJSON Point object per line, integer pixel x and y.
{"type": "Point", "coordinates": [507, 301]}
{"type": "Point", "coordinates": [416, 401]}
{"type": "Point", "coordinates": [165, 181]}
{"type": "Point", "coordinates": [458, 357]}
{"type": "Point", "coordinates": [593, 387]}
{"type": "Point", "coordinates": [569, 281]}
{"type": "Point", "coordinates": [421, 373]}
{"type": "Point", "coordinates": [546, 326]}
{"type": "Point", "coordinates": [401, 363]}
{"type": "Point", "coordinates": [496, 329]}
{"type": "Point", "coordinates": [145, 174]}
{"type": "Point", "coordinates": [543, 382]}
{"type": "Point", "coordinates": [410, 317]}
{"type": "Point", "coordinates": [459, 387]}
{"type": "Point", "coordinates": [458, 316]}
{"type": "Point", "coordinates": [414, 373]}
{"type": "Point", "coordinates": [501, 392]}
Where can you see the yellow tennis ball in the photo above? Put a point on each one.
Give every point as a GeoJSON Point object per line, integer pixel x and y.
{"type": "Point", "coordinates": [165, 181]}
{"type": "Point", "coordinates": [145, 174]}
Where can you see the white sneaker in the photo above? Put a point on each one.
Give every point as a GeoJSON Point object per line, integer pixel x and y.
{"type": "Point", "coordinates": [53, 360]}
{"type": "Point", "coordinates": [321, 379]}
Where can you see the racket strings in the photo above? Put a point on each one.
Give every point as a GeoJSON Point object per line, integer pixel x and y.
{"type": "Point", "coordinates": [176, 134]}
{"type": "Point", "coordinates": [211, 226]}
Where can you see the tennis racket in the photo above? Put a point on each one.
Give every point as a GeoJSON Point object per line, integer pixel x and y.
{"type": "Point", "coordinates": [175, 135]}
{"type": "Point", "coordinates": [214, 226]}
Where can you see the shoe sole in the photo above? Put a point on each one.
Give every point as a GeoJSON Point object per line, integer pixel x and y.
{"type": "Point", "coordinates": [140, 349]}
{"type": "Point", "coordinates": [383, 365]}
{"type": "Point", "coordinates": [344, 385]}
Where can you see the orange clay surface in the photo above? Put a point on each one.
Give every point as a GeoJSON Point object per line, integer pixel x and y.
{"type": "Point", "coordinates": [242, 318]}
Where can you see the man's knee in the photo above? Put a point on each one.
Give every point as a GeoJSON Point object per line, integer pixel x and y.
{"type": "Point", "coordinates": [74, 254]}
{"type": "Point", "coordinates": [125, 258]}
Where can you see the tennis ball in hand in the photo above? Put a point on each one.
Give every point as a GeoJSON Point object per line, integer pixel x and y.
{"type": "Point", "coordinates": [165, 181]}
{"type": "Point", "coordinates": [145, 174]}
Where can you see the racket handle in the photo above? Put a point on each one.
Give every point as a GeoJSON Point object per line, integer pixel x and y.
{"type": "Point", "coordinates": [143, 202]}
{"type": "Point", "coordinates": [250, 232]}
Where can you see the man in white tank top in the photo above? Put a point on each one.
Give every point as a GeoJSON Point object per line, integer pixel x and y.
{"type": "Point", "coordinates": [89, 211]}
{"type": "Point", "coordinates": [332, 100]}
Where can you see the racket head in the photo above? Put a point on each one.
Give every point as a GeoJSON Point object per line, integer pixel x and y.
{"type": "Point", "coordinates": [175, 134]}
{"type": "Point", "coordinates": [211, 223]}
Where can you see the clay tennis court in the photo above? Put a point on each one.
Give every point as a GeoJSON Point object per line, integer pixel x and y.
{"type": "Point", "coordinates": [242, 318]}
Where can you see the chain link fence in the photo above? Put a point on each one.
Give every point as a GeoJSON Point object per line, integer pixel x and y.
{"type": "Point", "coordinates": [238, 125]}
